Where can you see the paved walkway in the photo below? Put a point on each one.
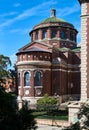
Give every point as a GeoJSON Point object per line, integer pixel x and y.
{"type": "Point", "coordinates": [47, 127]}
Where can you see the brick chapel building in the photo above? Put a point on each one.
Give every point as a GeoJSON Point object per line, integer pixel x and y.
{"type": "Point", "coordinates": [50, 63]}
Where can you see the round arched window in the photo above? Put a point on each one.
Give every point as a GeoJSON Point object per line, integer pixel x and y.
{"type": "Point", "coordinates": [38, 78]}
{"type": "Point", "coordinates": [27, 77]}
{"type": "Point", "coordinates": [44, 34]}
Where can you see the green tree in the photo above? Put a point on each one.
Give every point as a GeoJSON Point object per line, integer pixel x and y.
{"type": "Point", "coordinates": [47, 103]}
{"type": "Point", "coordinates": [11, 118]}
{"type": "Point", "coordinates": [4, 63]}
{"type": "Point", "coordinates": [26, 118]}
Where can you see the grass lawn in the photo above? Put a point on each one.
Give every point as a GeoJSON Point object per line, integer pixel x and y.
{"type": "Point", "coordinates": [57, 115]}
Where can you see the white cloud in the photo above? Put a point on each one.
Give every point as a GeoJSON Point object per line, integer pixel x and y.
{"type": "Point", "coordinates": [8, 14]}
{"type": "Point", "coordinates": [27, 13]}
{"type": "Point", "coordinates": [68, 10]}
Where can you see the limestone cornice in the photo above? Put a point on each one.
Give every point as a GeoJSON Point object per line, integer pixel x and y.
{"type": "Point", "coordinates": [67, 71]}
{"type": "Point", "coordinates": [85, 16]}
{"type": "Point", "coordinates": [41, 63]}
{"type": "Point", "coordinates": [34, 69]}
{"type": "Point", "coordinates": [67, 65]}
{"type": "Point", "coordinates": [57, 24]}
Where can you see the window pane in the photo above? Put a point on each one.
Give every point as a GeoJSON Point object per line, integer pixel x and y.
{"type": "Point", "coordinates": [62, 34]}
{"type": "Point", "coordinates": [27, 79]}
{"type": "Point", "coordinates": [38, 79]}
{"type": "Point", "coordinates": [54, 34]}
{"type": "Point", "coordinates": [44, 34]}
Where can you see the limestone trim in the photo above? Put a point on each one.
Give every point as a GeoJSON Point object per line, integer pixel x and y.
{"type": "Point", "coordinates": [26, 86]}
{"type": "Point", "coordinates": [69, 71]}
{"type": "Point", "coordinates": [67, 65]}
{"type": "Point", "coordinates": [47, 63]}
{"type": "Point", "coordinates": [38, 86]}
{"type": "Point", "coordinates": [35, 69]}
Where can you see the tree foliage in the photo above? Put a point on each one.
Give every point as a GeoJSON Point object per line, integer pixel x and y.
{"type": "Point", "coordinates": [4, 63]}
{"type": "Point", "coordinates": [11, 118]}
{"type": "Point", "coordinates": [47, 103]}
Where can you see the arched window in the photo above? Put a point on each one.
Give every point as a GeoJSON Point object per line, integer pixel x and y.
{"type": "Point", "coordinates": [36, 36]}
{"type": "Point", "coordinates": [71, 36]}
{"type": "Point", "coordinates": [44, 34]}
{"type": "Point", "coordinates": [62, 35]}
{"type": "Point", "coordinates": [38, 78]}
{"type": "Point", "coordinates": [54, 33]}
{"type": "Point", "coordinates": [27, 76]}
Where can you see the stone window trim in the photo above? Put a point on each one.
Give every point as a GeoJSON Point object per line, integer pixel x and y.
{"type": "Point", "coordinates": [26, 71]}
{"type": "Point", "coordinates": [26, 86]}
{"type": "Point", "coordinates": [27, 77]}
{"type": "Point", "coordinates": [38, 71]}
{"type": "Point", "coordinates": [38, 86]}
{"type": "Point", "coordinates": [38, 78]}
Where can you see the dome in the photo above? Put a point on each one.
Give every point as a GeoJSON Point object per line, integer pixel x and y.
{"type": "Point", "coordinates": [53, 19]}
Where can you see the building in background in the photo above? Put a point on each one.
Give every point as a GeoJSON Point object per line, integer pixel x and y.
{"type": "Point", "coordinates": [50, 63]}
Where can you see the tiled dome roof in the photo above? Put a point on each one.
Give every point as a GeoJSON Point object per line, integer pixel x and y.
{"type": "Point", "coordinates": [53, 19]}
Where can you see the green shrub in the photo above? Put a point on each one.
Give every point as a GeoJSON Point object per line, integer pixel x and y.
{"type": "Point", "coordinates": [47, 103]}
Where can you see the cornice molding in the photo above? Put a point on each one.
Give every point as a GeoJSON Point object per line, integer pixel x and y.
{"type": "Point", "coordinates": [41, 63]}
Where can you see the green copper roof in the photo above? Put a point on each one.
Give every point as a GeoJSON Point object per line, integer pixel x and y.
{"type": "Point", "coordinates": [77, 49]}
{"type": "Point", "coordinates": [53, 19]}
{"type": "Point", "coordinates": [63, 49]}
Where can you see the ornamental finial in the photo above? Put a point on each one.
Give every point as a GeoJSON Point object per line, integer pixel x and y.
{"type": "Point", "coordinates": [53, 13]}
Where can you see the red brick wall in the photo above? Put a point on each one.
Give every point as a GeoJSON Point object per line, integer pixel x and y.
{"type": "Point", "coordinates": [47, 82]}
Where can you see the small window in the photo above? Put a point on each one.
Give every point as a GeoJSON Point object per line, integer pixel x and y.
{"type": "Point", "coordinates": [71, 36]}
{"type": "Point", "coordinates": [44, 34]}
{"type": "Point", "coordinates": [27, 77]}
{"type": "Point", "coordinates": [54, 34]}
{"type": "Point", "coordinates": [36, 35]}
{"type": "Point", "coordinates": [62, 35]}
{"type": "Point", "coordinates": [38, 78]}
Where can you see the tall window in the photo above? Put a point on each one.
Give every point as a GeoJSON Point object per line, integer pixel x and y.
{"type": "Point", "coordinates": [62, 35]}
{"type": "Point", "coordinates": [36, 36]}
{"type": "Point", "coordinates": [44, 34]}
{"type": "Point", "coordinates": [38, 78]}
{"type": "Point", "coordinates": [27, 76]}
{"type": "Point", "coordinates": [54, 33]}
{"type": "Point", "coordinates": [71, 36]}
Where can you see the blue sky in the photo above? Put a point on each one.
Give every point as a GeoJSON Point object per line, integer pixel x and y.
{"type": "Point", "coordinates": [17, 18]}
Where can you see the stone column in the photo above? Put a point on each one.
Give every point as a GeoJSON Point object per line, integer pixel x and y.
{"type": "Point", "coordinates": [49, 34]}
{"type": "Point", "coordinates": [22, 84]}
{"type": "Point", "coordinates": [34, 36]}
{"type": "Point", "coordinates": [84, 50]}
{"type": "Point", "coordinates": [40, 34]}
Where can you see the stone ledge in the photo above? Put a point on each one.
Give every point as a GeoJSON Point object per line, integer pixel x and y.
{"type": "Point", "coordinates": [52, 122]}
